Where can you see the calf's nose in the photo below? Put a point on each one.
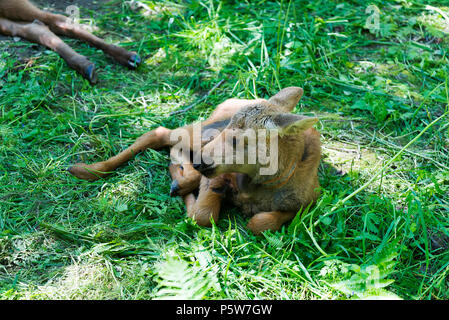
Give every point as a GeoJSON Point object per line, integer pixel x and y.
{"type": "Point", "coordinates": [202, 165]}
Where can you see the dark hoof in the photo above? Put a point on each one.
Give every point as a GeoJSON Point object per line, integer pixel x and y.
{"type": "Point", "coordinates": [174, 188]}
{"type": "Point", "coordinates": [90, 74]}
{"type": "Point", "coordinates": [134, 61]}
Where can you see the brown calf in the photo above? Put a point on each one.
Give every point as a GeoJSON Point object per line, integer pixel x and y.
{"type": "Point", "coordinates": [271, 199]}
{"type": "Point", "coordinates": [21, 18]}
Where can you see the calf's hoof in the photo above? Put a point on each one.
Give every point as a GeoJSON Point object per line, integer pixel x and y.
{"type": "Point", "coordinates": [174, 188]}
{"type": "Point", "coordinates": [90, 74]}
{"type": "Point", "coordinates": [86, 172]}
{"type": "Point", "coordinates": [134, 61]}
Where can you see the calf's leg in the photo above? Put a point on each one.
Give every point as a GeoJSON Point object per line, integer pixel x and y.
{"type": "Point", "coordinates": [208, 203]}
{"type": "Point", "coordinates": [63, 26]}
{"type": "Point", "coordinates": [155, 139]}
{"type": "Point", "coordinates": [185, 179]}
{"type": "Point", "coordinates": [269, 221]}
{"type": "Point", "coordinates": [39, 33]}
{"type": "Point", "coordinates": [23, 10]}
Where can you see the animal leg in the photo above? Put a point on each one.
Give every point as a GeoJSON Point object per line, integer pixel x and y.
{"type": "Point", "coordinates": [154, 139]}
{"type": "Point", "coordinates": [185, 179]}
{"type": "Point", "coordinates": [63, 26]}
{"type": "Point", "coordinates": [39, 33]}
{"type": "Point", "coordinates": [269, 221]}
{"type": "Point", "coordinates": [208, 203]}
{"type": "Point", "coordinates": [22, 10]}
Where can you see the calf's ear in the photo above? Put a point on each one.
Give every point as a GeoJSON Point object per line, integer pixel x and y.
{"type": "Point", "coordinates": [287, 98]}
{"type": "Point", "coordinates": [291, 124]}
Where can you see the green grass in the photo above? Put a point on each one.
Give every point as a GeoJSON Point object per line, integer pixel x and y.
{"type": "Point", "coordinates": [381, 225]}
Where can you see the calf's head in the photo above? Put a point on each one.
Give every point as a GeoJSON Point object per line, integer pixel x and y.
{"type": "Point", "coordinates": [260, 139]}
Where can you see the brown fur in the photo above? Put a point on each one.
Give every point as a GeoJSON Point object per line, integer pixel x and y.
{"type": "Point", "coordinates": [270, 200]}
{"type": "Point", "coordinates": [23, 19]}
